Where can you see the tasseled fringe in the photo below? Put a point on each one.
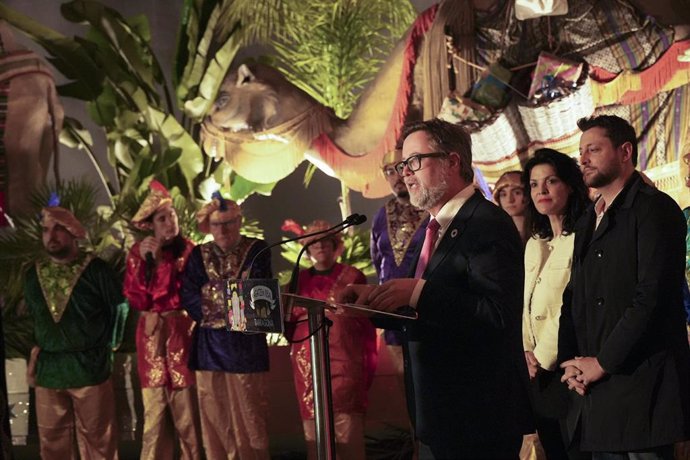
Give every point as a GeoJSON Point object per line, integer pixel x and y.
{"type": "Point", "coordinates": [458, 17]}
{"type": "Point", "coordinates": [362, 171]}
{"type": "Point", "coordinates": [634, 87]}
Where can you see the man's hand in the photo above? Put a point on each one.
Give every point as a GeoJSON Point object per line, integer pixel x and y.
{"type": "Point", "coordinates": [532, 364]}
{"type": "Point", "coordinates": [31, 367]}
{"type": "Point", "coordinates": [392, 294]}
{"type": "Point", "coordinates": [149, 244]}
{"type": "Point", "coordinates": [353, 293]}
{"type": "Point", "coordinates": [570, 378]}
{"type": "Point", "coordinates": [590, 369]}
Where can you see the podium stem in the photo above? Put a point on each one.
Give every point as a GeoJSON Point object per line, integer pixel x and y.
{"type": "Point", "coordinates": [321, 374]}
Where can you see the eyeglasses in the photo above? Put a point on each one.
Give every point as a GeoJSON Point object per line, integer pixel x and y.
{"type": "Point", "coordinates": [389, 171]}
{"type": "Point", "coordinates": [414, 162]}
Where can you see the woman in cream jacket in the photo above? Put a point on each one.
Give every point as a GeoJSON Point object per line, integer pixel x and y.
{"type": "Point", "coordinates": [559, 197]}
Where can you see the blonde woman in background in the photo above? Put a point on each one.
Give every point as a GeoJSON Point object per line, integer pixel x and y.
{"type": "Point", "coordinates": [510, 195]}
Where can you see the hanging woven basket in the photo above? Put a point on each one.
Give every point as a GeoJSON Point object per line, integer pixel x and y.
{"type": "Point", "coordinates": [557, 119]}
{"type": "Point", "coordinates": [499, 138]}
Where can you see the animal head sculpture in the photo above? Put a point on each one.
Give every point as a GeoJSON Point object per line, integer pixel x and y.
{"type": "Point", "coordinates": [246, 102]}
{"type": "Point", "coordinates": [260, 119]}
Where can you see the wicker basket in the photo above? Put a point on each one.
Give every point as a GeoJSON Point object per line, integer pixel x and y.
{"type": "Point", "coordinates": [498, 138]}
{"type": "Point", "coordinates": [558, 118]}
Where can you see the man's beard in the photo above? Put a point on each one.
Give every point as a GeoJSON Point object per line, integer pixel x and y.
{"type": "Point", "coordinates": [428, 197]}
{"type": "Point", "coordinates": [601, 178]}
{"type": "Point", "coordinates": [404, 194]}
{"type": "Point", "coordinates": [60, 253]}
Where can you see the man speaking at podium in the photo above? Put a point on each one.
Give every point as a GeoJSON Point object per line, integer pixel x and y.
{"type": "Point", "coordinates": [465, 374]}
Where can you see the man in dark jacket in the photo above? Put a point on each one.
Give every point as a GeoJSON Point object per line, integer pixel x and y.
{"type": "Point", "coordinates": [466, 378]}
{"type": "Point", "coordinates": [622, 338]}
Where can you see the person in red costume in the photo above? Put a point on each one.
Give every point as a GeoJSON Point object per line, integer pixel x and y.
{"type": "Point", "coordinates": [352, 343]}
{"type": "Point", "coordinates": [164, 331]}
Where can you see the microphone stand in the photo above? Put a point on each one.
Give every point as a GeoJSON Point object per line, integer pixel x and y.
{"type": "Point", "coordinates": [320, 371]}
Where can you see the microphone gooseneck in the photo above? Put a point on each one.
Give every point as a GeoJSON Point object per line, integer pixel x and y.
{"type": "Point", "coordinates": [353, 219]}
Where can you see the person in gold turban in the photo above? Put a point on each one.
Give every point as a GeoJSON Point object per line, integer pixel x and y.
{"type": "Point", "coordinates": [231, 367]}
{"type": "Point", "coordinates": [153, 278]}
{"type": "Point", "coordinates": [74, 300]}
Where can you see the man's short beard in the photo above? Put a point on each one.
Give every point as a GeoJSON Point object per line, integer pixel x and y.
{"type": "Point", "coordinates": [427, 198]}
{"type": "Point", "coordinates": [63, 253]}
{"type": "Point", "coordinates": [600, 179]}
{"type": "Point", "coordinates": [404, 194]}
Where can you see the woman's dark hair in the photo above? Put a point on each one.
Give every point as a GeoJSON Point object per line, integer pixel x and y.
{"type": "Point", "coordinates": [568, 171]}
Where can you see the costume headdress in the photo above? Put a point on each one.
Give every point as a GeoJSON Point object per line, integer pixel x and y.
{"type": "Point", "coordinates": [157, 198]}
{"type": "Point", "coordinates": [53, 214]}
{"type": "Point", "coordinates": [219, 204]}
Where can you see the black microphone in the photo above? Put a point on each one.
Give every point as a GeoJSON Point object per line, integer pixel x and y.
{"type": "Point", "coordinates": [356, 219]}
{"type": "Point", "coordinates": [150, 263]}
{"type": "Point", "coordinates": [353, 219]}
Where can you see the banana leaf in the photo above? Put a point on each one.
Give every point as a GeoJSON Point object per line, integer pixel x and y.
{"type": "Point", "coordinates": [191, 161]}
{"type": "Point", "coordinates": [194, 18]}
{"type": "Point", "coordinates": [212, 79]}
{"type": "Point", "coordinates": [242, 188]}
{"type": "Point", "coordinates": [74, 135]}
{"type": "Point", "coordinates": [194, 70]}
{"type": "Point", "coordinates": [131, 49]}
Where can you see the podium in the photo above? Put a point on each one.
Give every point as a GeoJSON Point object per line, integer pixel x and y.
{"type": "Point", "coordinates": [320, 364]}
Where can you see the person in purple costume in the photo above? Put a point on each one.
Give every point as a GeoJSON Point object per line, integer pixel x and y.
{"type": "Point", "coordinates": [231, 367]}
{"type": "Point", "coordinates": [397, 233]}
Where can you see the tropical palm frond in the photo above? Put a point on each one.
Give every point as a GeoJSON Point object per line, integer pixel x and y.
{"type": "Point", "coordinates": [252, 228]}
{"type": "Point", "coordinates": [356, 251]}
{"type": "Point", "coordinates": [260, 19]}
{"type": "Point", "coordinates": [332, 49]}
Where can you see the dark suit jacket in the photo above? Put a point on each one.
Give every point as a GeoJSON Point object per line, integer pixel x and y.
{"type": "Point", "coordinates": [624, 305]}
{"type": "Point", "coordinates": [465, 368]}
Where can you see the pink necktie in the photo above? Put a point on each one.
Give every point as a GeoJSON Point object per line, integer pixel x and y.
{"type": "Point", "coordinates": [428, 247]}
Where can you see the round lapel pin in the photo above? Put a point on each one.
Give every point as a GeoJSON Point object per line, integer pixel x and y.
{"type": "Point", "coordinates": [454, 233]}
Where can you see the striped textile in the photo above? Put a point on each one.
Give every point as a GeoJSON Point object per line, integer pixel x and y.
{"type": "Point", "coordinates": [659, 123]}
{"type": "Point", "coordinates": [614, 38]}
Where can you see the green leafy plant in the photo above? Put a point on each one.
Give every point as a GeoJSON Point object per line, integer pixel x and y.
{"type": "Point", "coordinates": [149, 127]}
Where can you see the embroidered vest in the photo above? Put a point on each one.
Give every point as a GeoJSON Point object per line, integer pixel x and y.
{"type": "Point", "coordinates": [219, 267]}
{"type": "Point", "coordinates": [57, 282]}
{"type": "Point", "coordinates": [403, 221]}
